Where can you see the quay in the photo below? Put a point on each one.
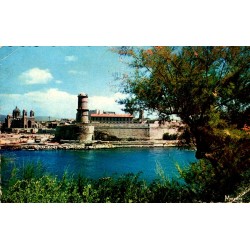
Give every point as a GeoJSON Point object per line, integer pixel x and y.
{"type": "Point", "coordinates": [45, 142]}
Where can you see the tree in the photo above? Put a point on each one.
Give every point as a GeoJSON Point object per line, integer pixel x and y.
{"type": "Point", "coordinates": [207, 87]}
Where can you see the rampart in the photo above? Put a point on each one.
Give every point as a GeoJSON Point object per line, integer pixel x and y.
{"type": "Point", "coordinates": [80, 132]}
{"type": "Point", "coordinates": [114, 132]}
{"type": "Point", "coordinates": [122, 131]}
{"type": "Point", "coordinates": [107, 129]}
{"type": "Point", "coordinates": [157, 131]}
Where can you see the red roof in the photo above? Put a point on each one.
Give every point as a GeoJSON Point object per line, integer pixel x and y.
{"type": "Point", "coordinates": [112, 115]}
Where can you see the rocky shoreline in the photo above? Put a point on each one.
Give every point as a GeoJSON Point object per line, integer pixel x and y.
{"type": "Point", "coordinates": [89, 145]}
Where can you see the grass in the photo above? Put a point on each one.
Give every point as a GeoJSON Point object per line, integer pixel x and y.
{"type": "Point", "coordinates": [31, 184]}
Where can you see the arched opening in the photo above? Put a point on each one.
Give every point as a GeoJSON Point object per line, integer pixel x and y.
{"type": "Point", "coordinates": [29, 124]}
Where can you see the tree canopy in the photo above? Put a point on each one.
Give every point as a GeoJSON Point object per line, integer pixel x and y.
{"type": "Point", "coordinates": [207, 87]}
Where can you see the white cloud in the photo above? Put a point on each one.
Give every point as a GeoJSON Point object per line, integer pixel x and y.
{"type": "Point", "coordinates": [120, 95]}
{"type": "Point", "coordinates": [36, 76]}
{"type": "Point", "coordinates": [106, 103]}
{"type": "Point", "coordinates": [70, 58]}
{"type": "Point", "coordinates": [51, 102]}
{"type": "Point", "coordinates": [58, 81]}
{"type": "Point", "coordinates": [54, 102]}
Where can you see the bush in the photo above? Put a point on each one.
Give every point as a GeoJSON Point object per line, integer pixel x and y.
{"type": "Point", "coordinates": [27, 185]}
{"type": "Point", "coordinates": [207, 183]}
{"type": "Point", "coordinates": [199, 182]}
{"type": "Point", "coordinates": [168, 136]}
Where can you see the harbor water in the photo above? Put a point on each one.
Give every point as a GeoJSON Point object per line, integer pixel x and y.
{"type": "Point", "coordinates": [105, 162]}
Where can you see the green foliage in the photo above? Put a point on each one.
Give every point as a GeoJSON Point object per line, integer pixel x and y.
{"type": "Point", "coordinates": [205, 183]}
{"type": "Point", "coordinates": [242, 192]}
{"type": "Point", "coordinates": [27, 185]}
{"type": "Point", "coordinates": [125, 188]}
{"type": "Point", "coordinates": [99, 135]}
{"type": "Point", "coordinates": [167, 136]}
{"type": "Point", "coordinates": [199, 182]}
{"type": "Point", "coordinates": [208, 88]}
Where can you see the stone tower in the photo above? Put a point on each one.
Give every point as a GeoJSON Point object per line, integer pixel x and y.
{"type": "Point", "coordinates": [32, 114]}
{"type": "Point", "coordinates": [24, 119]}
{"type": "Point", "coordinates": [82, 115]}
{"type": "Point", "coordinates": [24, 113]}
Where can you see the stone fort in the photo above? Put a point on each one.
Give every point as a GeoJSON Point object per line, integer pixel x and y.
{"type": "Point", "coordinates": [108, 126]}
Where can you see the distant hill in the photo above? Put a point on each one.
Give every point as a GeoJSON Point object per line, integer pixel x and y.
{"type": "Point", "coordinates": [2, 118]}
{"type": "Point", "coordinates": [46, 118]}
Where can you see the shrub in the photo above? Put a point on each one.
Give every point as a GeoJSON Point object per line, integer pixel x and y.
{"type": "Point", "coordinates": [168, 136]}
{"type": "Point", "coordinates": [199, 182]}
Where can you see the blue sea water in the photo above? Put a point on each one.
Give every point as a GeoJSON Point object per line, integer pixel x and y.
{"type": "Point", "coordinates": [106, 162]}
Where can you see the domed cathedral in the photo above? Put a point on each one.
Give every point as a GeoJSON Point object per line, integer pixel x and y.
{"type": "Point", "coordinates": [16, 120]}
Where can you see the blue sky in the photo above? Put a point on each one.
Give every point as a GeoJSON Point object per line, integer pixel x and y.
{"type": "Point", "coordinates": [48, 79]}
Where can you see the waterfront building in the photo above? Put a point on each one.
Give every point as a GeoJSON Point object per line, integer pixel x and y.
{"type": "Point", "coordinates": [99, 116]}
{"type": "Point", "coordinates": [111, 118]}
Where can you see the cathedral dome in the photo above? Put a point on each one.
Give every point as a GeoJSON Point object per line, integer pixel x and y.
{"type": "Point", "coordinates": [16, 110]}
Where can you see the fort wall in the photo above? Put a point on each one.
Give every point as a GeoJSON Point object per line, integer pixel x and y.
{"type": "Point", "coordinates": [110, 127]}
{"type": "Point", "coordinates": [122, 131]}
{"type": "Point", "coordinates": [81, 132]}
{"type": "Point", "coordinates": [107, 132]}
{"type": "Point", "coordinates": [157, 131]}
